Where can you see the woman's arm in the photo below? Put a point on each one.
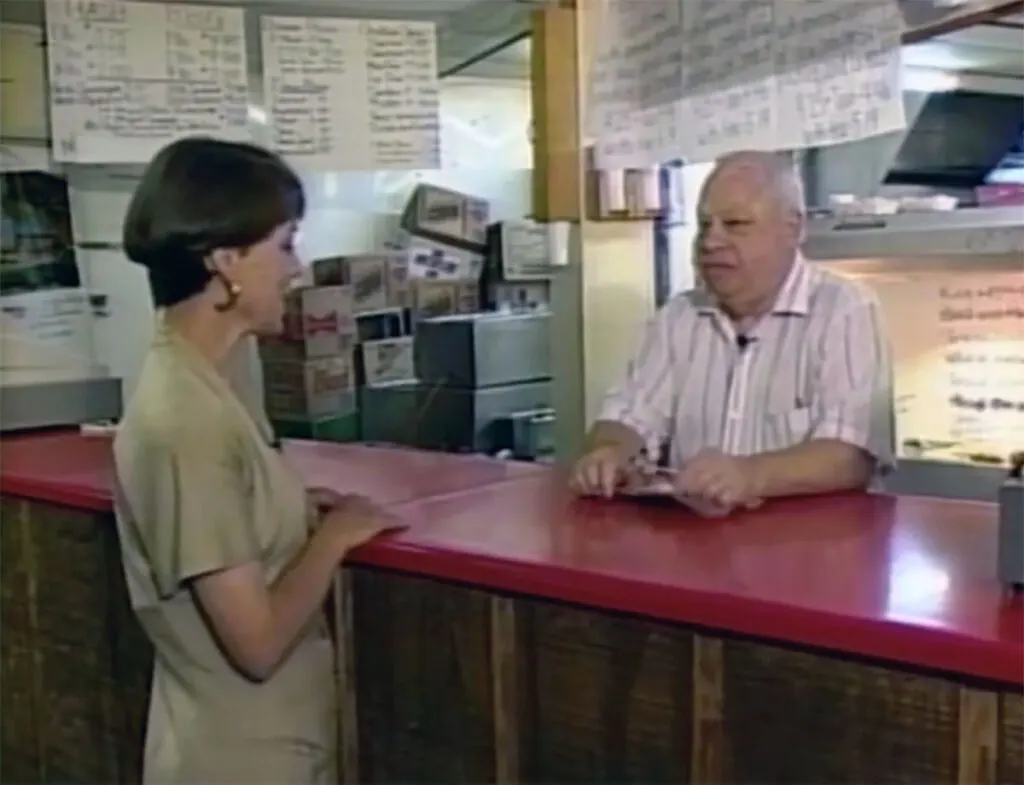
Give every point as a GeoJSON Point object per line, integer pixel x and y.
{"type": "Point", "coordinates": [256, 624]}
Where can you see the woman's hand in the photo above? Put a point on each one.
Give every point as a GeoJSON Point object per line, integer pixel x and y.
{"type": "Point", "coordinates": [354, 520]}
{"type": "Point", "coordinates": [323, 499]}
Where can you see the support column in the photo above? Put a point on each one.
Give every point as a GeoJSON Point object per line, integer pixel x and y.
{"type": "Point", "coordinates": [603, 299]}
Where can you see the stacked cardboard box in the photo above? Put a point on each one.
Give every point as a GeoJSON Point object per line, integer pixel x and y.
{"type": "Point", "coordinates": [348, 340]}
{"type": "Point", "coordinates": [517, 273]}
{"type": "Point", "coordinates": [309, 371]}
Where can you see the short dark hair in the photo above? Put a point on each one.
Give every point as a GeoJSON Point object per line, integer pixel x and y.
{"type": "Point", "coordinates": [200, 194]}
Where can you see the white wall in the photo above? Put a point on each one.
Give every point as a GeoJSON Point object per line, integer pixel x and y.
{"type": "Point", "coordinates": [485, 149]}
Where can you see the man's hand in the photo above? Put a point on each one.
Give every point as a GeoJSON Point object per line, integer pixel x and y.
{"type": "Point", "coordinates": [599, 472]}
{"type": "Point", "coordinates": [714, 484]}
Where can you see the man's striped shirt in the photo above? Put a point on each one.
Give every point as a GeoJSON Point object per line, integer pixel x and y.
{"type": "Point", "coordinates": [817, 367]}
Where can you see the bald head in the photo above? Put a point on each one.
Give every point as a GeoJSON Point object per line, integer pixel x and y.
{"type": "Point", "coordinates": [776, 172]}
{"type": "Point", "coordinates": [751, 217]}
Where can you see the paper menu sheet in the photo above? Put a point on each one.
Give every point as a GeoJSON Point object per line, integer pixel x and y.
{"type": "Point", "coordinates": [752, 74]}
{"type": "Point", "coordinates": [958, 354]}
{"type": "Point", "coordinates": [127, 78]}
{"type": "Point", "coordinates": [352, 94]}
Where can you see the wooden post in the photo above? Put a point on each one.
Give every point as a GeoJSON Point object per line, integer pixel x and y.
{"type": "Point", "coordinates": [505, 690]}
{"type": "Point", "coordinates": [554, 89]}
{"type": "Point", "coordinates": [707, 753]}
{"type": "Point", "coordinates": [979, 737]}
{"type": "Point", "coordinates": [345, 676]}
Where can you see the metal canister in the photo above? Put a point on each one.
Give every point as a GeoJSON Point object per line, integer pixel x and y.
{"type": "Point", "coordinates": [1011, 526]}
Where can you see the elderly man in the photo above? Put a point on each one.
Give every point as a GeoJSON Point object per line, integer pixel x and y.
{"type": "Point", "coordinates": [771, 378]}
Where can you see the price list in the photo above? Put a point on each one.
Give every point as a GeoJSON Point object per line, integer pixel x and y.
{"type": "Point", "coordinates": [348, 94]}
{"type": "Point", "coordinates": [128, 78]}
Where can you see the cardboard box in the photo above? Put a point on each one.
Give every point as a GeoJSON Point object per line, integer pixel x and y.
{"type": "Point", "coordinates": [373, 277]}
{"type": "Point", "coordinates": [443, 298]}
{"type": "Point", "coordinates": [318, 322]}
{"type": "Point", "coordinates": [310, 389]}
{"type": "Point", "coordinates": [385, 361]}
{"type": "Point", "coordinates": [330, 271]}
{"type": "Point", "coordinates": [377, 280]}
{"type": "Point", "coordinates": [398, 281]}
{"type": "Point", "coordinates": [386, 323]}
{"type": "Point", "coordinates": [429, 259]}
{"type": "Point", "coordinates": [522, 250]}
{"type": "Point", "coordinates": [514, 296]}
{"type": "Point", "coordinates": [447, 216]}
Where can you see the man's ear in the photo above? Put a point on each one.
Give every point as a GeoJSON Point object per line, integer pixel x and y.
{"type": "Point", "coordinates": [799, 228]}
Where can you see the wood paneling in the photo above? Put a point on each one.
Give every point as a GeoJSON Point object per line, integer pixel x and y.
{"type": "Point", "coordinates": [424, 693]}
{"type": "Point", "coordinates": [455, 685]}
{"type": "Point", "coordinates": [76, 666]}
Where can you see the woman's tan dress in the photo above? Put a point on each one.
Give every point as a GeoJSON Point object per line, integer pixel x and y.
{"type": "Point", "coordinates": [200, 488]}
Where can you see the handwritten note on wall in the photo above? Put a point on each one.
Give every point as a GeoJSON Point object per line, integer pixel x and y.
{"type": "Point", "coordinates": [958, 344]}
{"type": "Point", "coordinates": [352, 94]}
{"type": "Point", "coordinates": [127, 78]}
{"type": "Point", "coordinates": [710, 77]}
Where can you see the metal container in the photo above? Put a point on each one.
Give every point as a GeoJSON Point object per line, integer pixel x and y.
{"type": "Point", "coordinates": [1011, 527]}
{"type": "Point", "coordinates": [35, 405]}
{"type": "Point", "coordinates": [475, 351]}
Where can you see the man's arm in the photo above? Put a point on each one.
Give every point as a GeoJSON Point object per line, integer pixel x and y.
{"type": "Point", "coordinates": [852, 415]}
{"type": "Point", "coordinates": [637, 413]}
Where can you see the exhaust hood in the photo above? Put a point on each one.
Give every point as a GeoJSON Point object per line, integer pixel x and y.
{"type": "Point", "coordinates": [957, 139]}
{"type": "Point", "coordinates": [954, 141]}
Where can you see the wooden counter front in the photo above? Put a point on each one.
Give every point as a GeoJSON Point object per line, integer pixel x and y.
{"type": "Point", "coordinates": [514, 634]}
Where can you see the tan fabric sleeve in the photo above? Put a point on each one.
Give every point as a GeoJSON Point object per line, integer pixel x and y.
{"type": "Point", "coordinates": [192, 499]}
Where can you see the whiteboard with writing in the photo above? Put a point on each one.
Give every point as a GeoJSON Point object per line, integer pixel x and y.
{"type": "Point", "coordinates": [128, 78]}
{"type": "Point", "coordinates": [696, 79]}
{"type": "Point", "coordinates": [352, 94]}
{"type": "Point", "coordinates": [958, 345]}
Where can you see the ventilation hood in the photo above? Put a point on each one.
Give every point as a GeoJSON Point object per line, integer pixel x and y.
{"type": "Point", "coordinates": [957, 138]}
{"type": "Point", "coordinates": [954, 140]}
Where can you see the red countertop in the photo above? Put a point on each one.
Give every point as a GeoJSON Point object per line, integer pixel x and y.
{"type": "Point", "coordinates": [909, 580]}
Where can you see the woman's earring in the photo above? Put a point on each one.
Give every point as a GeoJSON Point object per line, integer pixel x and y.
{"type": "Point", "coordinates": [232, 289]}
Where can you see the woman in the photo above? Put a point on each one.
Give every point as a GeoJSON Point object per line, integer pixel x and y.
{"type": "Point", "coordinates": [222, 571]}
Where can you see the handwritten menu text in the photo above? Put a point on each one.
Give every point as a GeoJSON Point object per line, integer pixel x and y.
{"type": "Point", "coordinates": [763, 74]}
{"type": "Point", "coordinates": [352, 94]}
{"type": "Point", "coordinates": [127, 78]}
{"type": "Point", "coordinates": [958, 343]}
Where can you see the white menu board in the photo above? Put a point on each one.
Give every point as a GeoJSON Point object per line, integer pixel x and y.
{"type": "Point", "coordinates": [128, 78]}
{"type": "Point", "coordinates": [696, 79]}
{"type": "Point", "coordinates": [348, 94]}
{"type": "Point", "coordinates": [958, 345]}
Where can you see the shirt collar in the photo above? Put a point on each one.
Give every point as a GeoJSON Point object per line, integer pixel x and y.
{"type": "Point", "coordinates": [793, 299]}
{"type": "Point", "coordinates": [166, 336]}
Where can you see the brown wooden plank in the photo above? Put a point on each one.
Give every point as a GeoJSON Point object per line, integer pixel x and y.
{"type": "Point", "coordinates": [557, 181]}
{"type": "Point", "coordinates": [607, 698]}
{"type": "Point", "coordinates": [1011, 739]}
{"type": "Point", "coordinates": [20, 748]}
{"type": "Point", "coordinates": [979, 737]}
{"type": "Point", "coordinates": [505, 687]}
{"type": "Point", "coordinates": [345, 674]}
{"type": "Point", "coordinates": [424, 688]}
{"type": "Point", "coordinates": [707, 740]}
{"type": "Point", "coordinates": [800, 717]}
